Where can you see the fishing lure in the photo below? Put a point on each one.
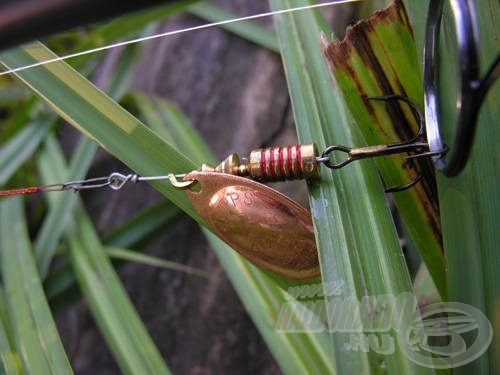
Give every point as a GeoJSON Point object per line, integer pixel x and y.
{"type": "Point", "coordinates": [263, 225]}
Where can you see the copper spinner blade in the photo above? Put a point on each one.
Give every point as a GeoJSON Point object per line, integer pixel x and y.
{"type": "Point", "coordinates": [268, 228]}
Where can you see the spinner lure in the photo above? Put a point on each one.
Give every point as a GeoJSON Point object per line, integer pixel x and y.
{"type": "Point", "coordinates": [265, 226]}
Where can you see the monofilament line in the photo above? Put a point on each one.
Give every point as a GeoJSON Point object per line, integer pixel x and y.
{"type": "Point", "coordinates": [175, 32]}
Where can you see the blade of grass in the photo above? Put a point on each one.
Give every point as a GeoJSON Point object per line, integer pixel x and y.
{"type": "Point", "coordinates": [54, 224]}
{"type": "Point", "coordinates": [355, 233]}
{"type": "Point", "coordinates": [136, 232]}
{"type": "Point", "coordinates": [143, 226]}
{"type": "Point", "coordinates": [134, 256]}
{"type": "Point", "coordinates": [246, 29]}
{"type": "Point", "coordinates": [377, 58]}
{"type": "Point", "coordinates": [127, 26]}
{"type": "Point", "coordinates": [263, 296]}
{"type": "Point", "coordinates": [35, 334]}
{"type": "Point", "coordinates": [60, 284]}
{"type": "Point", "coordinates": [113, 311]}
{"type": "Point", "coordinates": [98, 116]}
{"type": "Point", "coordinates": [168, 121]}
{"type": "Point", "coordinates": [118, 321]}
{"type": "Point", "coordinates": [9, 359]}
{"type": "Point", "coordinates": [470, 203]}
{"type": "Point", "coordinates": [21, 147]}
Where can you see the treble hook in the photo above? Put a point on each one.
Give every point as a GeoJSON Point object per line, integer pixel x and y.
{"type": "Point", "coordinates": [416, 145]}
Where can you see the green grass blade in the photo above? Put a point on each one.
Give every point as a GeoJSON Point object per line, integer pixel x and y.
{"type": "Point", "coordinates": [137, 230]}
{"type": "Point", "coordinates": [246, 29]}
{"type": "Point", "coordinates": [134, 256]}
{"type": "Point", "coordinates": [118, 321]}
{"type": "Point", "coordinates": [9, 358]}
{"type": "Point", "coordinates": [35, 334]}
{"type": "Point", "coordinates": [57, 218]}
{"type": "Point", "coordinates": [53, 226]}
{"type": "Point", "coordinates": [263, 296]}
{"type": "Point", "coordinates": [470, 203]}
{"type": "Point", "coordinates": [129, 25]}
{"type": "Point", "coordinates": [143, 226]}
{"type": "Point", "coordinates": [355, 233]}
{"type": "Point", "coordinates": [98, 116]}
{"type": "Point", "coordinates": [113, 311]}
{"type": "Point", "coordinates": [378, 57]}
{"type": "Point", "coordinates": [168, 121]}
{"type": "Point", "coordinates": [21, 147]}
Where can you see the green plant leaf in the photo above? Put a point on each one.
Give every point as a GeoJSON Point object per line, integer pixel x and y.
{"type": "Point", "coordinates": [55, 223]}
{"type": "Point", "coordinates": [355, 233]}
{"type": "Point", "coordinates": [378, 57]}
{"type": "Point", "coordinates": [21, 147]}
{"type": "Point", "coordinates": [53, 226]}
{"type": "Point", "coordinates": [143, 226]}
{"type": "Point", "coordinates": [34, 332]}
{"type": "Point", "coordinates": [469, 202]}
{"type": "Point", "coordinates": [263, 295]}
{"type": "Point", "coordinates": [9, 359]}
{"type": "Point", "coordinates": [99, 117]}
{"type": "Point", "coordinates": [168, 121]}
{"type": "Point", "coordinates": [110, 125]}
{"type": "Point", "coordinates": [134, 256]}
{"type": "Point", "coordinates": [115, 315]}
{"type": "Point", "coordinates": [246, 29]}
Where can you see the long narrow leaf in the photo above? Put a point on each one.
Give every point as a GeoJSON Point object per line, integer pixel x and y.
{"type": "Point", "coordinates": [137, 257]}
{"type": "Point", "coordinates": [115, 315]}
{"type": "Point", "coordinates": [98, 116]}
{"type": "Point", "coordinates": [264, 297]}
{"type": "Point", "coordinates": [113, 311]}
{"type": "Point", "coordinates": [246, 29]}
{"type": "Point", "coordinates": [9, 358]}
{"type": "Point", "coordinates": [377, 58]}
{"type": "Point", "coordinates": [470, 203]}
{"type": "Point", "coordinates": [356, 237]}
{"type": "Point", "coordinates": [54, 225]}
{"type": "Point", "coordinates": [21, 147]}
{"type": "Point", "coordinates": [35, 334]}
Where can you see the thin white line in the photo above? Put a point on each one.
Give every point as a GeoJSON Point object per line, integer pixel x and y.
{"type": "Point", "coordinates": [174, 32]}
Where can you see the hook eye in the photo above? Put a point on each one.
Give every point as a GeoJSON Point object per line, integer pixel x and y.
{"type": "Point", "coordinates": [180, 185]}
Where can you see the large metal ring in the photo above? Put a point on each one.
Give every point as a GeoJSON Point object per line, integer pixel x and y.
{"type": "Point", "coordinates": [473, 88]}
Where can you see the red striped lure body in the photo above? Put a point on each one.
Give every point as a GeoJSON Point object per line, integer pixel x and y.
{"type": "Point", "coordinates": [273, 164]}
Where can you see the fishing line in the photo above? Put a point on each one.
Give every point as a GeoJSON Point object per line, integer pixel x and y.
{"type": "Point", "coordinates": [174, 32]}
